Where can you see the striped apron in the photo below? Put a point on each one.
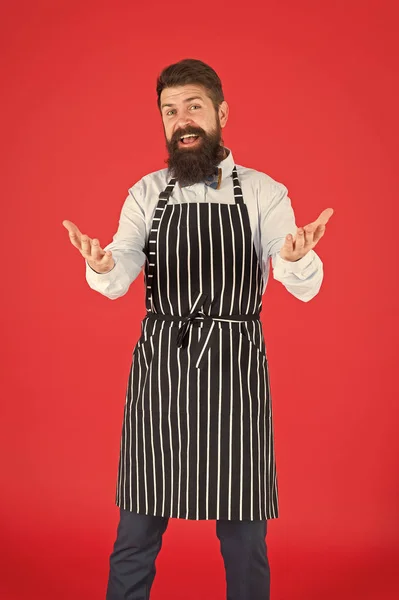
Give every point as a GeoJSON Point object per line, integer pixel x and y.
{"type": "Point", "coordinates": [197, 437]}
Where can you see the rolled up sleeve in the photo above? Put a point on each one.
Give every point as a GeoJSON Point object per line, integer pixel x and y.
{"type": "Point", "coordinates": [302, 278]}
{"type": "Point", "coordinates": [127, 249]}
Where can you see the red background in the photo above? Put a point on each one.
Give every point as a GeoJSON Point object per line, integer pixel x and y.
{"type": "Point", "coordinates": [313, 96]}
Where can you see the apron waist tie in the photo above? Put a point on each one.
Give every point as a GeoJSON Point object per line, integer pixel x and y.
{"type": "Point", "coordinates": [187, 321]}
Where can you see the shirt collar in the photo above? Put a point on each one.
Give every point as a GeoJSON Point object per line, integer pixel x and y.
{"type": "Point", "coordinates": [223, 170]}
{"type": "Point", "coordinates": [226, 167]}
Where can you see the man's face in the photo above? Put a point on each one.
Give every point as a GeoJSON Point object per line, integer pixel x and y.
{"type": "Point", "coordinates": [192, 131]}
{"type": "Point", "coordinates": [189, 105]}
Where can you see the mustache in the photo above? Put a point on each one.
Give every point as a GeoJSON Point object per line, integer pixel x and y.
{"type": "Point", "coordinates": [189, 129]}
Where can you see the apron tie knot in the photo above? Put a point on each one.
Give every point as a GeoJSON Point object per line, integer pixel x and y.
{"type": "Point", "coordinates": [184, 327]}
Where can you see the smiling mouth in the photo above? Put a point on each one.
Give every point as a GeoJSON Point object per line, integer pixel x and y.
{"type": "Point", "coordinates": [189, 139]}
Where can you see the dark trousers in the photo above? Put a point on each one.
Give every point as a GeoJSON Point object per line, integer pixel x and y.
{"type": "Point", "coordinates": [139, 540]}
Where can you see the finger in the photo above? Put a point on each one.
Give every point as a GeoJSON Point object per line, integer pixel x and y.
{"type": "Point", "coordinates": [105, 264]}
{"type": "Point", "coordinates": [86, 246]}
{"type": "Point", "coordinates": [108, 259]}
{"type": "Point", "coordinates": [74, 233]}
{"type": "Point", "coordinates": [72, 228]}
{"type": "Point", "coordinates": [96, 251]}
{"type": "Point", "coordinates": [300, 239]}
{"type": "Point", "coordinates": [309, 234]}
{"type": "Point", "coordinates": [105, 259]}
{"type": "Point", "coordinates": [289, 243]}
{"type": "Point", "coordinates": [75, 241]}
{"type": "Point", "coordinates": [319, 233]}
{"type": "Point", "coordinates": [324, 217]}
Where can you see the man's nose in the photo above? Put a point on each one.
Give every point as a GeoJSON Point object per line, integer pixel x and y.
{"type": "Point", "coordinates": [183, 122]}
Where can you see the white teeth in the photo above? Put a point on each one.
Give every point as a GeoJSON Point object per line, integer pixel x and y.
{"type": "Point", "coordinates": [188, 135]}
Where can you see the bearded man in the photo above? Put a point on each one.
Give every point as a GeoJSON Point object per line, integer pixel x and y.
{"type": "Point", "coordinates": [197, 437]}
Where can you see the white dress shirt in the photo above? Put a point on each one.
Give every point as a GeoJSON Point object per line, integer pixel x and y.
{"type": "Point", "coordinates": [270, 213]}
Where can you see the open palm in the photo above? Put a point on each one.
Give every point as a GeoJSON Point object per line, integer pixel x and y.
{"type": "Point", "coordinates": [295, 247]}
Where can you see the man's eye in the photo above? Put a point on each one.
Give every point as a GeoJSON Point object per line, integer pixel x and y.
{"type": "Point", "coordinates": [195, 106]}
{"type": "Point", "coordinates": [170, 112]}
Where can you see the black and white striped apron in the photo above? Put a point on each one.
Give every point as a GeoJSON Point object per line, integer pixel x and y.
{"type": "Point", "coordinates": [197, 437]}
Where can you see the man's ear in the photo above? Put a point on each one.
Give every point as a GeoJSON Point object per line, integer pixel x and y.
{"type": "Point", "coordinates": [223, 113]}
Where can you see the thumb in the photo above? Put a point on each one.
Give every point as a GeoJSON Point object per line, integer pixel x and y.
{"type": "Point", "coordinates": [71, 227]}
{"type": "Point", "coordinates": [324, 217]}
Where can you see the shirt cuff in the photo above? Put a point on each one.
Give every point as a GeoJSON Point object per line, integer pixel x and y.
{"type": "Point", "coordinates": [301, 268]}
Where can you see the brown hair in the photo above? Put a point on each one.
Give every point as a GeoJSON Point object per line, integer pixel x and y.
{"type": "Point", "coordinates": [191, 70]}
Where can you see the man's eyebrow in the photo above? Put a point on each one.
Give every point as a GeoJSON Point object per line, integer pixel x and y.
{"type": "Point", "coordinates": [186, 100]}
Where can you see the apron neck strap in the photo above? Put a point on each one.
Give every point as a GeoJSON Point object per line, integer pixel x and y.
{"type": "Point", "coordinates": [238, 197]}
{"type": "Point", "coordinates": [168, 190]}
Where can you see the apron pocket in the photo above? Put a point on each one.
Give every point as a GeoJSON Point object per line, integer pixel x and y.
{"type": "Point", "coordinates": [253, 341]}
{"type": "Point", "coordinates": [143, 355]}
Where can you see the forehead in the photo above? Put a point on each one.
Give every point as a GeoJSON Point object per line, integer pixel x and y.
{"type": "Point", "coordinates": [181, 93]}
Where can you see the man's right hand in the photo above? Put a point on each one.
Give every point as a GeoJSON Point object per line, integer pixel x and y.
{"type": "Point", "coordinates": [99, 260]}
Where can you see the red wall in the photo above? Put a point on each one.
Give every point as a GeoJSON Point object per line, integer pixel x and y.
{"type": "Point", "coordinates": [313, 95]}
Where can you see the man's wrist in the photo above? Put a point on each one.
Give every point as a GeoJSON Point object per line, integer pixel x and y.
{"type": "Point", "coordinates": [296, 266]}
{"type": "Point", "coordinates": [292, 260]}
{"type": "Point", "coordinates": [101, 272]}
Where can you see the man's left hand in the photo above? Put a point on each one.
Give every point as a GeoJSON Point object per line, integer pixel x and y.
{"type": "Point", "coordinates": [306, 238]}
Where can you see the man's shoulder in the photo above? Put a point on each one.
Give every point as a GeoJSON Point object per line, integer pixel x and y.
{"type": "Point", "coordinates": [255, 177]}
{"type": "Point", "coordinates": [155, 179]}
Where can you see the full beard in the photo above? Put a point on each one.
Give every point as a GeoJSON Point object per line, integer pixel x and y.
{"type": "Point", "coordinates": [193, 165]}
